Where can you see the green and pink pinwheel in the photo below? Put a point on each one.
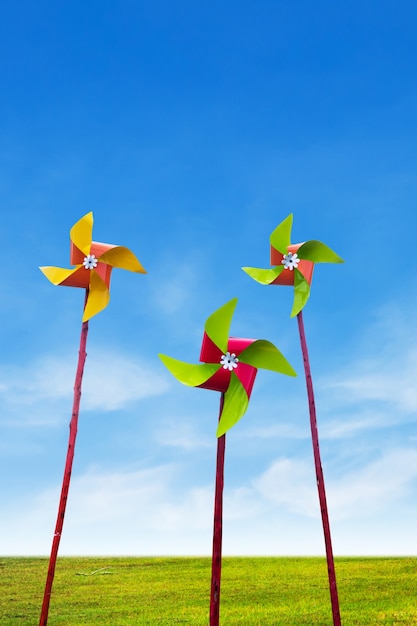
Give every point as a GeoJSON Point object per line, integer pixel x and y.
{"type": "Point", "coordinates": [229, 365]}
{"type": "Point", "coordinates": [293, 263]}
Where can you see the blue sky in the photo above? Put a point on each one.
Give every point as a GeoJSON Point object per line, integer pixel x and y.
{"type": "Point", "coordinates": [191, 130]}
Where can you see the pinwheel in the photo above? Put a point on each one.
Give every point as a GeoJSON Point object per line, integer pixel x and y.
{"type": "Point", "coordinates": [93, 265]}
{"type": "Point", "coordinates": [294, 265]}
{"type": "Point", "coordinates": [229, 365]}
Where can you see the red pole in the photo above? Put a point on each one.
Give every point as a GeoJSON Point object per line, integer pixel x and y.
{"type": "Point", "coordinates": [320, 476]}
{"type": "Point", "coordinates": [216, 562]}
{"type": "Point", "coordinates": [67, 475]}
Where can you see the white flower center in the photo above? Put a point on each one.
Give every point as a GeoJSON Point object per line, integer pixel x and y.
{"type": "Point", "coordinates": [90, 262]}
{"type": "Point", "coordinates": [290, 261]}
{"type": "Point", "coordinates": [229, 361]}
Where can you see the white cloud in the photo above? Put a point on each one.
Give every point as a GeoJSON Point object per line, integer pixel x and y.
{"type": "Point", "coordinates": [377, 388]}
{"type": "Point", "coordinates": [149, 511]}
{"type": "Point", "coordinates": [111, 382]}
{"type": "Point", "coordinates": [289, 483]}
{"type": "Point", "coordinates": [376, 487]}
{"type": "Point", "coordinates": [274, 510]}
{"type": "Point", "coordinates": [181, 434]}
{"type": "Point", "coordinates": [371, 489]}
{"type": "Point", "coordinates": [177, 287]}
{"type": "Point", "coordinates": [136, 511]}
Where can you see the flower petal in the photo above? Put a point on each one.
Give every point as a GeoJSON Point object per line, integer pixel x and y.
{"type": "Point", "coordinates": [318, 252]}
{"type": "Point", "coordinates": [81, 234]}
{"type": "Point", "coordinates": [189, 373]}
{"type": "Point", "coordinates": [218, 324]}
{"type": "Point", "coordinates": [236, 402]}
{"type": "Point", "coordinates": [264, 276]}
{"type": "Point", "coordinates": [123, 258]}
{"type": "Point", "coordinates": [301, 293]}
{"type": "Point", "coordinates": [98, 296]}
{"type": "Point", "coordinates": [281, 237]}
{"type": "Point", "coordinates": [263, 354]}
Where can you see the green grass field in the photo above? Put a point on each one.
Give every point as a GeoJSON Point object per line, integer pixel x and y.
{"type": "Point", "coordinates": [255, 591]}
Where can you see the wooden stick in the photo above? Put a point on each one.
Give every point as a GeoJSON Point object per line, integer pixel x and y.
{"type": "Point", "coordinates": [67, 474]}
{"type": "Point", "coordinates": [319, 476]}
{"type": "Point", "coordinates": [216, 562]}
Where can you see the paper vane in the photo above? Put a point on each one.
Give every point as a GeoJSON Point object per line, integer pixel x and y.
{"type": "Point", "coordinates": [229, 365]}
{"type": "Point", "coordinates": [293, 263]}
{"type": "Point", "coordinates": [93, 266]}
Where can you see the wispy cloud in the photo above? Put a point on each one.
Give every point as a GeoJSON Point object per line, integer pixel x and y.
{"type": "Point", "coordinates": [111, 381]}
{"type": "Point", "coordinates": [175, 286]}
{"type": "Point", "coordinates": [183, 435]}
{"type": "Point", "coordinates": [148, 510]}
{"type": "Point", "coordinates": [374, 487]}
{"type": "Point", "coordinates": [377, 388]}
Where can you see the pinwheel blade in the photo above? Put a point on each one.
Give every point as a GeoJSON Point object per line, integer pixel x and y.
{"type": "Point", "coordinates": [318, 252]}
{"type": "Point", "coordinates": [218, 324]}
{"type": "Point", "coordinates": [264, 276]}
{"type": "Point", "coordinates": [281, 237]}
{"type": "Point", "coordinates": [235, 404]}
{"type": "Point", "coordinates": [188, 373]}
{"type": "Point", "coordinates": [263, 354]}
{"type": "Point", "coordinates": [98, 296]}
{"type": "Point", "coordinates": [81, 234]}
{"type": "Point", "coordinates": [57, 275]}
{"type": "Point", "coordinates": [301, 293]}
{"type": "Point", "coordinates": [123, 258]}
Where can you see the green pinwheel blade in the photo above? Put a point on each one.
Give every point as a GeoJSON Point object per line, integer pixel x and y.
{"type": "Point", "coordinates": [281, 237]}
{"type": "Point", "coordinates": [218, 324]}
{"type": "Point", "coordinates": [265, 277]}
{"type": "Point", "coordinates": [234, 407]}
{"type": "Point", "coordinates": [301, 293]}
{"type": "Point", "coordinates": [318, 252]}
{"type": "Point", "coordinates": [188, 373]}
{"type": "Point", "coordinates": [263, 354]}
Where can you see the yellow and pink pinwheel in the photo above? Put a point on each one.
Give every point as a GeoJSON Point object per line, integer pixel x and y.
{"type": "Point", "coordinates": [93, 266]}
{"type": "Point", "coordinates": [293, 263]}
{"type": "Point", "coordinates": [229, 365]}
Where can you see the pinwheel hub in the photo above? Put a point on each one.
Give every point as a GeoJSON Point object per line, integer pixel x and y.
{"type": "Point", "coordinates": [291, 261]}
{"type": "Point", "coordinates": [220, 381]}
{"type": "Point", "coordinates": [229, 361]}
{"type": "Point", "coordinates": [90, 262]}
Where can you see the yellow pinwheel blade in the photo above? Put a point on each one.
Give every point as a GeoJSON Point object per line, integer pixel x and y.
{"type": "Point", "coordinates": [123, 258]}
{"type": "Point", "coordinates": [98, 297]}
{"type": "Point", "coordinates": [57, 275]}
{"type": "Point", "coordinates": [81, 234]}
